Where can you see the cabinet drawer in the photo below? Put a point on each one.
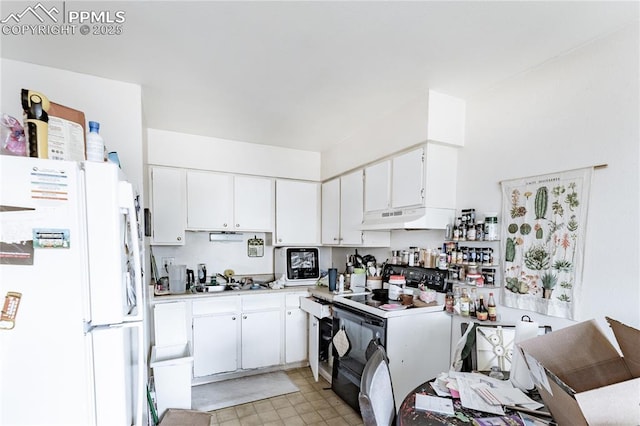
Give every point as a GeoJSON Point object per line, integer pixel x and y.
{"type": "Point", "coordinates": [292, 300]}
{"type": "Point", "coordinates": [216, 305]}
{"type": "Point", "coordinates": [315, 308]}
{"type": "Point", "coordinates": [261, 302]}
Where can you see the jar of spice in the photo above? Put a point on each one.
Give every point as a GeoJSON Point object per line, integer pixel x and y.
{"type": "Point", "coordinates": [491, 226]}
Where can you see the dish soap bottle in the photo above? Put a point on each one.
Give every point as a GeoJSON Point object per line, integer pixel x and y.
{"type": "Point", "coordinates": [95, 144]}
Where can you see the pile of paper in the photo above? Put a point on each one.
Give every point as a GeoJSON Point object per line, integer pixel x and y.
{"type": "Point", "coordinates": [479, 392]}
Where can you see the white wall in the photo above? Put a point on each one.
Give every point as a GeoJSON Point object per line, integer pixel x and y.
{"type": "Point", "coordinates": [219, 256]}
{"type": "Point", "coordinates": [578, 110]}
{"type": "Point", "coordinates": [205, 153]}
{"type": "Point", "coordinates": [430, 116]}
{"type": "Point", "coordinates": [116, 105]}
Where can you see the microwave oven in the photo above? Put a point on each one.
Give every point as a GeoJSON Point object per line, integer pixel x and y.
{"type": "Point", "coordinates": [298, 265]}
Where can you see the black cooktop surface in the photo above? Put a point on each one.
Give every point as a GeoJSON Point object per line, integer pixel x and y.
{"type": "Point", "coordinates": [435, 279]}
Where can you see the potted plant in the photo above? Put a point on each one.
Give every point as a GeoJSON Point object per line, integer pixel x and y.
{"type": "Point", "coordinates": [549, 281]}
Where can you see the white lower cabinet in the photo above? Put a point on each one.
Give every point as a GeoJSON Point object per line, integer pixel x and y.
{"type": "Point", "coordinates": [261, 337]}
{"type": "Point", "coordinates": [314, 339]}
{"type": "Point", "coordinates": [295, 329]}
{"type": "Point", "coordinates": [232, 333]}
{"type": "Point", "coordinates": [261, 330]}
{"type": "Point", "coordinates": [215, 341]}
{"type": "Point", "coordinates": [216, 331]}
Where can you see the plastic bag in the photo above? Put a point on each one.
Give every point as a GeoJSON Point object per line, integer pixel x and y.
{"type": "Point", "coordinates": [12, 136]}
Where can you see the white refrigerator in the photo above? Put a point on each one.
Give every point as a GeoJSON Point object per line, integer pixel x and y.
{"type": "Point", "coordinates": [73, 354]}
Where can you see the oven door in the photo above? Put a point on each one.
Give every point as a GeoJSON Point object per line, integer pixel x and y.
{"type": "Point", "coordinates": [361, 328]}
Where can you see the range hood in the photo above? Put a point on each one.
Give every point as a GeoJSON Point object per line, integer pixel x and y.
{"type": "Point", "coordinates": [408, 218]}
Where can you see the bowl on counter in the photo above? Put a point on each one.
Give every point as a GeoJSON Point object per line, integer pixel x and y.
{"type": "Point", "coordinates": [214, 288]}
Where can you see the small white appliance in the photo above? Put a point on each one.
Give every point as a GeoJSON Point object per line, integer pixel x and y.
{"type": "Point", "coordinates": [69, 244]}
{"type": "Point", "coordinates": [298, 265]}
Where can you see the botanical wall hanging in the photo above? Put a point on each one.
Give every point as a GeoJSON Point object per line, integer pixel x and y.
{"type": "Point", "coordinates": [543, 228]}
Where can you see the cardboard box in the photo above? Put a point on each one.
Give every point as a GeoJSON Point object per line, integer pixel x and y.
{"type": "Point", "coordinates": [581, 376]}
{"type": "Point", "coordinates": [175, 417]}
{"type": "Point", "coordinates": [67, 132]}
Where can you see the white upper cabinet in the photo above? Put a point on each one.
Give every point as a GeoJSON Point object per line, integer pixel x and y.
{"type": "Point", "coordinates": [331, 212]}
{"type": "Point", "coordinates": [343, 211]}
{"type": "Point", "coordinates": [422, 177]}
{"type": "Point", "coordinates": [407, 181]}
{"type": "Point", "coordinates": [223, 202]}
{"type": "Point", "coordinates": [351, 207]}
{"type": "Point", "coordinates": [297, 213]}
{"type": "Point", "coordinates": [377, 189]}
{"type": "Point", "coordinates": [168, 201]}
{"type": "Point", "coordinates": [440, 176]}
{"type": "Point", "coordinates": [254, 199]}
{"type": "Point", "coordinates": [209, 201]}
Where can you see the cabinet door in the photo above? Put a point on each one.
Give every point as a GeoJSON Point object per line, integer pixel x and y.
{"type": "Point", "coordinates": [168, 191]}
{"type": "Point", "coordinates": [441, 173]}
{"type": "Point", "coordinates": [297, 213]}
{"type": "Point", "coordinates": [377, 186]}
{"type": "Point", "coordinates": [295, 328]}
{"type": "Point", "coordinates": [314, 346]}
{"type": "Point", "coordinates": [407, 179]}
{"type": "Point", "coordinates": [253, 204]}
{"type": "Point", "coordinates": [215, 344]}
{"type": "Point", "coordinates": [331, 212]}
{"type": "Point", "coordinates": [209, 201]}
{"type": "Point", "coordinates": [261, 339]}
{"type": "Point", "coordinates": [351, 208]}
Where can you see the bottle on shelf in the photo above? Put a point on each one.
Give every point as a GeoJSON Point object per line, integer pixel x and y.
{"type": "Point", "coordinates": [481, 311]}
{"type": "Point", "coordinates": [491, 308]}
{"type": "Point", "coordinates": [456, 229]}
{"type": "Point", "coordinates": [449, 302]}
{"type": "Point", "coordinates": [95, 143]}
{"type": "Point", "coordinates": [473, 297]}
{"type": "Point", "coordinates": [464, 303]}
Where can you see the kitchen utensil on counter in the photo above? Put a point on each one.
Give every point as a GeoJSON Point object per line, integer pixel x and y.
{"type": "Point", "coordinates": [381, 294]}
{"type": "Point", "coordinates": [214, 288]}
{"type": "Point", "coordinates": [178, 279]}
{"type": "Point", "coordinates": [394, 292]}
{"type": "Point", "coordinates": [162, 286]}
{"type": "Point", "coordinates": [374, 283]}
{"type": "Point", "coordinates": [191, 280]}
{"type": "Point", "coordinates": [333, 278]}
{"type": "Point", "coordinates": [202, 273]}
{"type": "Point", "coordinates": [406, 299]}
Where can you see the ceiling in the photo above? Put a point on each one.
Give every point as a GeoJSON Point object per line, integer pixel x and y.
{"type": "Point", "coordinates": [307, 75]}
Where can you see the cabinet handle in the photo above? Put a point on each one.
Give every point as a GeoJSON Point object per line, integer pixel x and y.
{"type": "Point", "coordinates": [244, 317]}
{"type": "Point", "coordinates": [279, 240]}
{"type": "Point", "coordinates": [224, 225]}
{"type": "Point", "coordinates": [237, 225]}
{"type": "Point", "coordinates": [233, 318]}
{"type": "Point", "coordinates": [179, 238]}
{"type": "Point", "coordinates": [289, 313]}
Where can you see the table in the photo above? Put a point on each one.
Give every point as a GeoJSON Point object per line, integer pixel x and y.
{"type": "Point", "coordinates": [408, 416]}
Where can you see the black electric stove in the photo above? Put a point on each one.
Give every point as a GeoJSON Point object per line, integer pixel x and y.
{"type": "Point", "coordinates": [435, 279]}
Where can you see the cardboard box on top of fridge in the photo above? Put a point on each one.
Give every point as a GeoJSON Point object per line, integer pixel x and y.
{"type": "Point", "coordinates": [582, 377]}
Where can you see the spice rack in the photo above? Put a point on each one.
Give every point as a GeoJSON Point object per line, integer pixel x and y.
{"type": "Point", "coordinates": [472, 250]}
{"type": "Point", "coordinates": [468, 264]}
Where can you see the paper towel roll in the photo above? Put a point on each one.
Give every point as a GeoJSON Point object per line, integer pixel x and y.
{"type": "Point", "coordinates": [519, 374]}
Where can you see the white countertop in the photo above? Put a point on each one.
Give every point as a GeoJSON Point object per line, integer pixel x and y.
{"type": "Point", "coordinates": [188, 295]}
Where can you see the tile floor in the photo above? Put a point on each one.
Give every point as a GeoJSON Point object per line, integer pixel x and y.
{"type": "Point", "coordinates": [314, 404]}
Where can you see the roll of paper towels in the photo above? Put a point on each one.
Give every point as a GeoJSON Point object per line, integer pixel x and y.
{"type": "Point", "coordinates": [519, 375]}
